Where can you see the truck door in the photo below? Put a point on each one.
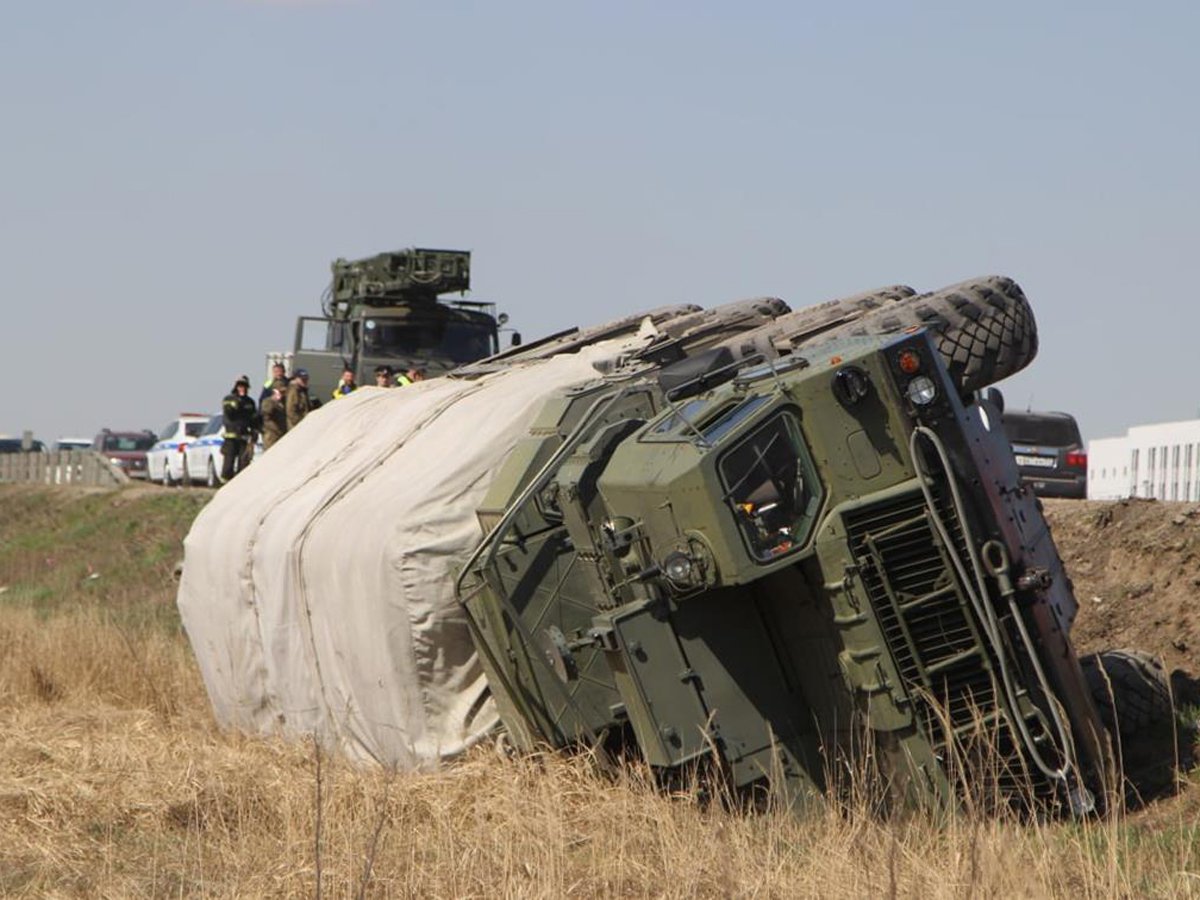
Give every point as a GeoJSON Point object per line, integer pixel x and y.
{"type": "Point", "coordinates": [322, 347]}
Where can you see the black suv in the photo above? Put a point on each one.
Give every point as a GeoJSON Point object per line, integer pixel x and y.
{"type": "Point", "coordinates": [1049, 452]}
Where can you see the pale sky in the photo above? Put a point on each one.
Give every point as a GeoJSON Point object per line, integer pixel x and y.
{"type": "Point", "coordinates": [176, 175]}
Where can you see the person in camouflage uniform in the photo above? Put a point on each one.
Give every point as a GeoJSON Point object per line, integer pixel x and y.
{"type": "Point", "coordinates": [274, 412]}
{"type": "Point", "coordinates": [297, 402]}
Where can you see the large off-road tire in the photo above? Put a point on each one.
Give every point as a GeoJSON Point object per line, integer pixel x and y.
{"type": "Point", "coordinates": [1130, 689]}
{"type": "Point", "coordinates": [811, 322]}
{"type": "Point", "coordinates": [984, 329]}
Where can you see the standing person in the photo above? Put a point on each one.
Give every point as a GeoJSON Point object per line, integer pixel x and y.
{"type": "Point", "coordinates": [247, 456]}
{"type": "Point", "coordinates": [383, 376]}
{"type": "Point", "coordinates": [278, 373]}
{"type": "Point", "coordinates": [412, 376]}
{"type": "Point", "coordinates": [238, 415]}
{"type": "Point", "coordinates": [273, 411]}
{"type": "Point", "coordinates": [297, 402]}
{"type": "Point", "coordinates": [346, 385]}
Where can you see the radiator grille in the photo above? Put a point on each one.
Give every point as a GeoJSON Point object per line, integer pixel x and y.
{"type": "Point", "coordinates": [933, 636]}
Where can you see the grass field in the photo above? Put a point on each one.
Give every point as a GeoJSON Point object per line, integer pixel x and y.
{"type": "Point", "coordinates": [115, 781]}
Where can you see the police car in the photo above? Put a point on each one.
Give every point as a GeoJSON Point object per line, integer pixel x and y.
{"type": "Point", "coordinates": [202, 460]}
{"type": "Point", "coordinates": [164, 460]}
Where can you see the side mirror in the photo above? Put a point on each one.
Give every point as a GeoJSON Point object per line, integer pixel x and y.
{"type": "Point", "coordinates": [516, 339]}
{"type": "Point", "coordinates": [995, 398]}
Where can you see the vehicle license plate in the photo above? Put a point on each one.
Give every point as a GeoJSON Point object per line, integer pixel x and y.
{"type": "Point", "coordinates": [1042, 462]}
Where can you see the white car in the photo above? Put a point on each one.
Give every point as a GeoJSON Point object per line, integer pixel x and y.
{"type": "Point", "coordinates": [164, 461]}
{"type": "Point", "coordinates": [71, 443]}
{"type": "Point", "coordinates": [202, 459]}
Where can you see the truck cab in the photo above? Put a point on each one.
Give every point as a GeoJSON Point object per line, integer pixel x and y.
{"type": "Point", "coordinates": [827, 552]}
{"type": "Point", "coordinates": [388, 310]}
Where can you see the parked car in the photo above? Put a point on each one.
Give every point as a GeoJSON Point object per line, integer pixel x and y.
{"type": "Point", "coordinates": [73, 443]}
{"type": "Point", "coordinates": [202, 460]}
{"type": "Point", "coordinates": [125, 449]}
{"type": "Point", "coordinates": [13, 445]}
{"type": "Point", "coordinates": [172, 441]}
{"type": "Point", "coordinates": [1049, 452]}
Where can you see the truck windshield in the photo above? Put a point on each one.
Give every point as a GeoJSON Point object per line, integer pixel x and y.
{"type": "Point", "coordinates": [461, 342]}
{"type": "Point", "coordinates": [771, 487]}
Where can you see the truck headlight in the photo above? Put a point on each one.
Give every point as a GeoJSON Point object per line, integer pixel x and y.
{"type": "Point", "coordinates": [678, 568]}
{"type": "Point", "coordinates": [921, 390]}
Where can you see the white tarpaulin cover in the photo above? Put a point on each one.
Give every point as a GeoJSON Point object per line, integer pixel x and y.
{"type": "Point", "coordinates": [318, 586]}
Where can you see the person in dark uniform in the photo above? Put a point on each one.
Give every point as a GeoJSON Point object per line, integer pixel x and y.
{"type": "Point", "coordinates": [383, 376]}
{"type": "Point", "coordinates": [239, 415]}
{"type": "Point", "coordinates": [247, 456]}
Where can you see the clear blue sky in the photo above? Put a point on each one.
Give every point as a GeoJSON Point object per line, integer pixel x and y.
{"type": "Point", "coordinates": [176, 175]}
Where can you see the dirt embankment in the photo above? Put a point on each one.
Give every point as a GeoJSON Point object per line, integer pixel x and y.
{"type": "Point", "coordinates": [1136, 569]}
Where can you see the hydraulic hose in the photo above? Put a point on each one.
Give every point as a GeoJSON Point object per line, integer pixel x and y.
{"type": "Point", "coordinates": [976, 589]}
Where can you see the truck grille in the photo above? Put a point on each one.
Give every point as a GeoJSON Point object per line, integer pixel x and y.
{"type": "Point", "coordinates": [933, 634]}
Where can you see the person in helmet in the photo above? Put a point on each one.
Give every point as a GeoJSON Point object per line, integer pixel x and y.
{"type": "Point", "coordinates": [239, 415]}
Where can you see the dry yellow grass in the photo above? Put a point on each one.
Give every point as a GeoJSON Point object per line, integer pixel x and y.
{"type": "Point", "coordinates": [115, 782]}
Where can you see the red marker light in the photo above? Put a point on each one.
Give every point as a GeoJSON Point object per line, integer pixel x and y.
{"type": "Point", "coordinates": [909, 362]}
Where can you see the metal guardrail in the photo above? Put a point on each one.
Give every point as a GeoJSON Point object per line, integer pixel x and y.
{"type": "Point", "coordinates": [80, 467]}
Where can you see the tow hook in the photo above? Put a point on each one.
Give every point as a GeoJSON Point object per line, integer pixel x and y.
{"type": "Point", "coordinates": [995, 561]}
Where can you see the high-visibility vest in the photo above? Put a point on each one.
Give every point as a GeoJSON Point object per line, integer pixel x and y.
{"type": "Point", "coordinates": [343, 389]}
{"type": "Point", "coordinates": [403, 380]}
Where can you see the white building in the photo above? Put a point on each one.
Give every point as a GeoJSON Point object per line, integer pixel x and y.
{"type": "Point", "coordinates": [1160, 461]}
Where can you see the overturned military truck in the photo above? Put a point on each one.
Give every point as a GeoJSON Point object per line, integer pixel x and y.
{"type": "Point", "coordinates": [775, 540]}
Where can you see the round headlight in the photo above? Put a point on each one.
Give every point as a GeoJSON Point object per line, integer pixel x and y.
{"type": "Point", "coordinates": [921, 390]}
{"type": "Point", "coordinates": [678, 568]}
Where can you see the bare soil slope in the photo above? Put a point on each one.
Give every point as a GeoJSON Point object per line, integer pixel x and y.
{"type": "Point", "coordinates": [1136, 569]}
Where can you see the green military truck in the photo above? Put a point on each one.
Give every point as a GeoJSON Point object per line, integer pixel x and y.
{"type": "Point", "coordinates": [388, 309]}
{"type": "Point", "coordinates": [799, 551]}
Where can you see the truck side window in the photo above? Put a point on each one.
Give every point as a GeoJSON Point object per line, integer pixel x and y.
{"type": "Point", "coordinates": [314, 334]}
{"type": "Point", "coordinates": [771, 487]}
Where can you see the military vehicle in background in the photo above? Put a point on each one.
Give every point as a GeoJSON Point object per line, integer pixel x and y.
{"type": "Point", "coordinates": [800, 551]}
{"type": "Point", "coordinates": [388, 309]}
